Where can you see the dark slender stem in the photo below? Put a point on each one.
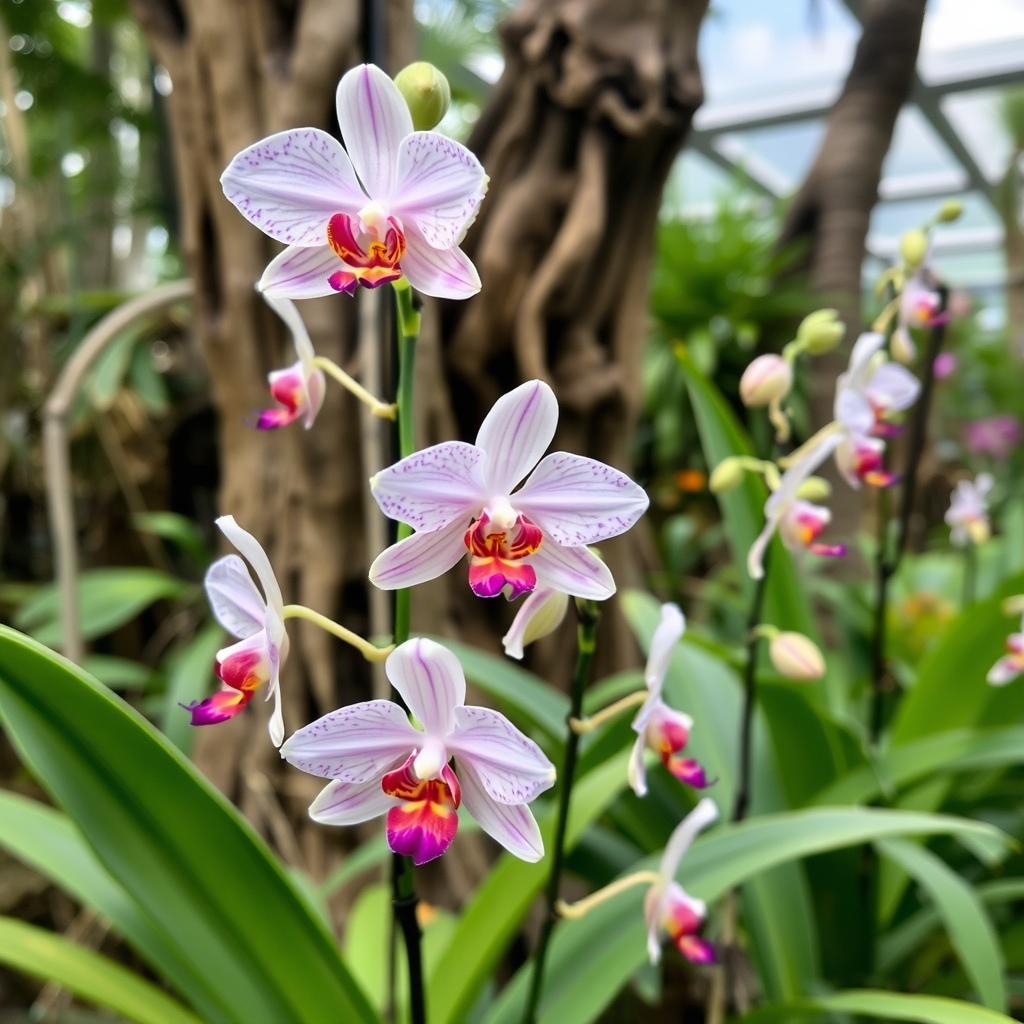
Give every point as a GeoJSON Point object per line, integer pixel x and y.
{"type": "Point", "coordinates": [743, 785]}
{"type": "Point", "coordinates": [586, 631]}
{"type": "Point", "coordinates": [403, 902]}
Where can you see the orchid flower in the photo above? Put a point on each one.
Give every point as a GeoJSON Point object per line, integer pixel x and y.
{"type": "Point", "coordinates": [668, 909]}
{"type": "Point", "coordinates": [394, 202]}
{"type": "Point", "coordinates": [867, 395]}
{"type": "Point", "coordinates": [299, 389]}
{"type": "Point", "coordinates": [967, 515]}
{"type": "Point", "coordinates": [461, 499]}
{"type": "Point", "coordinates": [540, 614]}
{"type": "Point", "coordinates": [663, 729]}
{"type": "Point", "coordinates": [381, 763]}
{"type": "Point", "coordinates": [920, 306]}
{"type": "Point", "coordinates": [257, 619]}
{"type": "Point", "coordinates": [1011, 664]}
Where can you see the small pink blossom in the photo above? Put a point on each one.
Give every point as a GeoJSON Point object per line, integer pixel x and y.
{"type": "Point", "coordinates": [996, 436]}
{"type": "Point", "coordinates": [945, 365]}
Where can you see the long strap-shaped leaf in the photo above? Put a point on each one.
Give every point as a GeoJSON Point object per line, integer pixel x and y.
{"type": "Point", "coordinates": [175, 844]}
{"type": "Point", "coordinates": [96, 979]}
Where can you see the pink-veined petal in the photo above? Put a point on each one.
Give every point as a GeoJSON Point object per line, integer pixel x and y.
{"type": "Point", "coordinates": [431, 682]}
{"type": "Point", "coordinates": [511, 825]}
{"type": "Point", "coordinates": [516, 433]}
{"type": "Point", "coordinates": [668, 633]}
{"type": "Point", "coordinates": [289, 184]}
{"type": "Point", "coordinates": [353, 744]}
{"type": "Point", "coordinates": [301, 272]}
{"type": "Point", "coordinates": [510, 766]}
{"type": "Point", "coordinates": [574, 571]}
{"type": "Point", "coordinates": [440, 186]}
{"type": "Point", "coordinates": [440, 273]}
{"type": "Point", "coordinates": [893, 388]}
{"type": "Point", "coordinates": [341, 803]}
{"type": "Point", "coordinates": [374, 119]}
{"type": "Point", "coordinates": [576, 500]}
{"type": "Point", "coordinates": [252, 551]}
{"type": "Point", "coordinates": [421, 557]}
{"type": "Point", "coordinates": [431, 488]}
{"type": "Point", "coordinates": [236, 603]}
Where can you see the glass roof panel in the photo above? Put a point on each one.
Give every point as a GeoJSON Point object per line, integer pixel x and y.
{"type": "Point", "coordinates": [694, 183]}
{"type": "Point", "coordinates": [889, 220]}
{"type": "Point", "coordinates": [916, 149]}
{"type": "Point", "coordinates": [785, 150]}
{"type": "Point", "coordinates": [971, 39]}
{"type": "Point", "coordinates": [975, 116]}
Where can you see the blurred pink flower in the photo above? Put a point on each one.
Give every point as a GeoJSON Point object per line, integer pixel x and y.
{"type": "Point", "coordinates": [945, 365]}
{"type": "Point", "coordinates": [993, 435]}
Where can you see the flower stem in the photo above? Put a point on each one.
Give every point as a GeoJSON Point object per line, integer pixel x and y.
{"type": "Point", "coordinates": [332, 369]}
{"type": "Point", "coordinates": [598, 718]}
{"type": "Point", "coordinates": [403, 886]}
{"type": "Point", "coordinates": [586, 631]}
{"type": "Point", "coordinates": [574, 911]}
{"type": "Point", "coordinates": [369, 651]}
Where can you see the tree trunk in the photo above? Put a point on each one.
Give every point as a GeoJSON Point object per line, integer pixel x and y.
{"type": "Point", "coordinates": [242, 69]}
{"type": "Point", "coordinates": [578, 139]}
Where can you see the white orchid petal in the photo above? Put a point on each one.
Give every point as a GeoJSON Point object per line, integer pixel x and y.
{"type": "Point", "coordinates": [637, 770]}
{"type": "Point", "coordinates": [431, 682]}
{"type": "Point", "coordinates": [510, 766]}
{"type": "Point", "coordinates": [540, 613]}
{"type": "Point", "coordinates": [439, 273]}
{"type": "Point", "coordinates": [252, 551]}
{"type": "Point", "coordinates": [1004, 671]}
{"type": "Point", "coordinates": [290, 184]}
{"type": "Point", "coordinates": [419, 558]}
{"type": "Point", "coordinates": [374, 119]}
{"type": "Point", "coordinates": [512, 825]}
{"type": "Point", "coordinates": [668, 633]}
{"type": "Point", "coordinates": [236, 602]}
{"type": "Point", "coordinates": [683, 836]}
{"type": "Point", "coordinates": [576, 500]}
{"type": "Point", "coordinates": [516, 433]}
{"type": "Point", "coordinates": [893, 387]}
{"type": "Point", "coordinates": [433, 487]}
{"type": "Point", "coordinates": [577, 572]}
{"type": "Point", "coordinates": [353, 744]}
{"type": "Point", "coordinates": [300, 273]}
{"type": "Point", "coordinates": [853, 411]}
{"type": "Point", "coordinates": [341, 803]}
{"type": "Point", "coordinates": [440, 186]}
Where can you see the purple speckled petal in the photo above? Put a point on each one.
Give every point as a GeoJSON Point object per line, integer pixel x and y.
{"type": "Point", "coordinates": [575, 571]}
{"type": "Point", "coordinates": [374, 119]}
{"type": "Point", "coordinates": [510, 766]}
{"type": "Point", "coordinates": [431, 682]}
{"type": "Point", "coordinates": [516, 433]}
{"type": "Point", "coordinates": [421, 557]}
{"type": "Point", "coordinates": [512, 825]}
{"type": "Point", "coordinates": [440, 186]}
{"type": "Point", "coordinates": [289, 184]}
{"type": "Point", "coordinates": [353, 744]}
{"type": "Point", "coordinates": [301, 272]}
{"type": "Point", "coordinates": [441, 273]}
{"type": "Point", "coordinates": [576, 500]}
{"type": "Point", "coordinates": [431, 488]}
{"type": "Point", "coordinates": [342, 803]}
{"type": "Point", "coordinates": [237, 605]}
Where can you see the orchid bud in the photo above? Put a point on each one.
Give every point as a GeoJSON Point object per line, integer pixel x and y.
{"type": "Point", "coordinates": [540, 614]}
{"type": "Point", "coordinates": [726, 476]}
{"type": "Point", "coordinates": [796, 657]}
{"type": "Point", "coordinates": [902, 346]}
{"type": "Point", "coordinates": [949, 211]}
{"type": "Point", "coordinates": [914, 248]}
{"type": "Point", "coordinates": [814, 488]}
{"type": "Point", "coordinates": [820, 332]}
{"type": "Point", "coordinates": [427, 93]}
{"type": "Point", "coordinates": [767, 379]}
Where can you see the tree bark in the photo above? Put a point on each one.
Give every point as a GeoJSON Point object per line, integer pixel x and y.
{"type": "Point", "coordinates": [578, 138]}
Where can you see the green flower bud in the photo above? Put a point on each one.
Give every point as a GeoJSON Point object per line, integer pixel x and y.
{"type": "Point", "coordinates": [914, 248]}
{"type": "Point", "coordinates": [767, 379]}
{"type": "Point", "coordinates": [820, 332]}
{"type": "Point", "coordinates": [814, 488]}
{"type": "Point", "coordinates": [427, 93]}
{"type": "Point", "coordinates": [727, 475]}
{"type": "Point", "coordinates": [796, 657]}
{"type": "Point", "coordinates": [949, 211]}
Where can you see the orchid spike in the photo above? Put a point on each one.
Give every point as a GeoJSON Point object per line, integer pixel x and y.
{"type": "Point", "coordinates": [1011, 664]}
{"type": "Point", "coordinates": [663, 729]}
{"type": "Point", "coordinates": [668, 909]}
{"type": "Point", "coordinates": [393, 203]}
{"type": "Point", "coordinates": [967, 515]}
{"type": "Point", "coordinates": [461, 499]}
{"type": "Point", "coordinates": [379, 763]}
{"type": "Point", "coordinates": [299, 389]}
{"type": "Point", "coordinates": [257, 619]}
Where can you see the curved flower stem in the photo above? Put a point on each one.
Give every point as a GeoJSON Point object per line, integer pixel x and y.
{"type": "Point", "coordinates": [403, 886]}
{"type": "Point", "coordinates": [369, 651]}
{"type": "Point", "coordinates": [574, 911]}
{"type": "Point", "coordinates": [384, 410]}
{"type": "Point", "coordinates": [588, 613]}
{"type": "Point", "coordinates": [584, 725]}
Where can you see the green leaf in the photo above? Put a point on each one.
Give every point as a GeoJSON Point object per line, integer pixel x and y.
{"type": "Point", "coordinates": [109, 371]}
{"type": "Point", "coordinates": [969, 927]}
{"type": "Point", "coordinates": [45, 840]}
{"type": "Point", "coordinates": [498, 907]}
{"type": "Point", "coordinates": [189, 678]}
{"type": "Point", "coordinates": [885, 1006]}
{"type": "Point", "coordinates": [94, 978]}
{"type": "Point", "coordinates": [107, 599]}
{"type": "Point", "coordinates": [176, 845]}
{"type": "Point", "coordinates": [594, 957]}
{"type": "Point", "coordinates": [118, 673]}
{"type": "Point", "coordinates": [177, 529]}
